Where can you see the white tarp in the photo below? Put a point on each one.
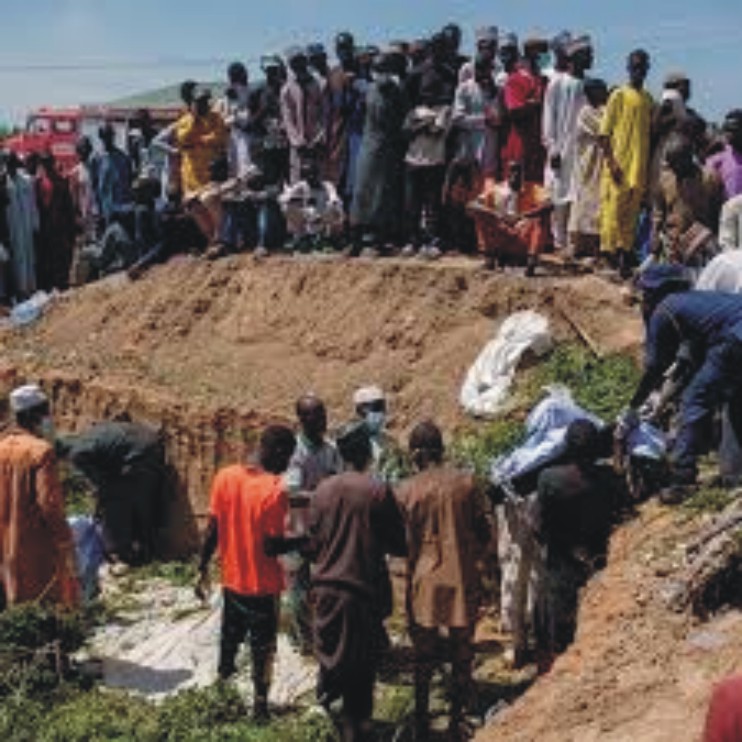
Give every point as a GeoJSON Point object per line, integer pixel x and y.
{"type": "Point", "coordinates": [487, 385]}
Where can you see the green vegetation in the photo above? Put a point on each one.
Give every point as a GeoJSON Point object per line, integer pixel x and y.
{"type": "Point", "coordinates": [710, 500]}
{"type": "Point", "coordinates": [602, 386]}
{"type": "Point", "coordinates": [216, 713]}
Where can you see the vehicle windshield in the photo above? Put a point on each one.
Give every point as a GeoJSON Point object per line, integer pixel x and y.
{"type": "Point", "coordinates": [47, 125]}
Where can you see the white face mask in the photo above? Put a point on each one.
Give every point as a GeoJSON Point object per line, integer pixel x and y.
{"type": "Point", "coordinates": [46, 429]}
{"type": "Point", "coordinates": [375, 422]}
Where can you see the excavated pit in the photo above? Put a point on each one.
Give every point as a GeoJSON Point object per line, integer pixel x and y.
{"type": "Point", "coordinates": [214, 351]}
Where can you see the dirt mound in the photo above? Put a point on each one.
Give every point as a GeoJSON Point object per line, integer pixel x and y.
{"type": "Point", "coordinates": [252, 337]}
{"type": "Point", "coordinates": [637, 671]}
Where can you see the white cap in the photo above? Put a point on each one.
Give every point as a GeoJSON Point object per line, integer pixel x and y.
{"type": "Point", "coordinates": [368, 395]}
{"type": "Point", "coordinates": [27, 397]}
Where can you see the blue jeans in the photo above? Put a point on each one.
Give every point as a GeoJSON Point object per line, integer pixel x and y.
{"type": "Point", "coordinates": [717, 382]}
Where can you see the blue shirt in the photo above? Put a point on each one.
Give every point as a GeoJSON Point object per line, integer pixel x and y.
{"type": "Point", "coordinates": [113, 182]}
{"type": "Point", "coordinates": [703, 318]}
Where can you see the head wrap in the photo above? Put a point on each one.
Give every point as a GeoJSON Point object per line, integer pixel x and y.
{"type": "Point", "coordinates": [368, 395]}
{"type": "Point", "coordinates": [27, 397]}
{"type": "Point", "coordinates": [508, 39]}
{"type": "Point", "coordinates": [578, 44]}
{"type": "Point", "coordinates": [561, 41]}
{"type": "Point", "coordinates": [293, 52]}
{"type": "Point", "coordinates": [315, 50]}
{"type": "Point", "coordinates": [486, 33]}
{"type": "Point", "coordinates": [270, 61]}
{"type": "Point", "coordinates": [675, 78]}
{"type": "Point", "coordinates": [537, 43]}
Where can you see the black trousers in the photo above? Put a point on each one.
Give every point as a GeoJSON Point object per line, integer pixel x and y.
{"type": "Point", "coordinates": [253, 618]}
{"type": "Point", "coordinates": [423, 203]}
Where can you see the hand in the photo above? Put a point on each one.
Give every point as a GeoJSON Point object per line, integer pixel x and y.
{"type": "Point", "coordinates": [627, 420]}
{"type": "Point", "coordinates": [202, 588]}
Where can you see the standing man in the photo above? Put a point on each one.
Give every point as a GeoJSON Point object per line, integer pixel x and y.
{"type": "Point", "coordinates": [625, 133]}
{"type": "Point", "coordinates": [523, 94]}
{"type": "Point", "coordinates": [354, 523]}
{"type": "Point", "coordinates": [37, 561]}
{"type": "Point", "coordinates": [728, 163]}
{"type": "Point", "coordinates": [446, 533]}
{"type": "Point", "coordinates": [56, 227]}
{"type": "Point", "coordinates": [82, 188]}
{"type": "Point", "coordinates": [379, 184]}
{"type": "Point", "coordinates": [486, 41]}
{"type": "Point", "coordinates": [126, 463]}
{"type": "Point", "coordinates": [342, 93]}
{"type": "Point", "coordinates": [314, 460]}
{"type": "Point", "coordinates": [234, 110]}
{"type": "Point", "coordinates": [564, 99]}
{"type": "Point", "coordinates": [389, 462]}
{"type": "Point", "coordinates": [268, 140]}
{"type": "Point", "coordinates": [576, 503]}
{"type": "Point", "coordinates": [202, 138]}
{"type": "Point", "coordinates": [477, 114]}
{"type": "Point", "coordinates": [584, 216]}
{"type": "Point", "coordinates": [431, 89]}
{"type": "Point", "coordinates": [114, 176]}
{"type": "Point", "coordinates": [23, 224]}
{"type": "Point", "coordinates": [303, 110]}
{"type": "Point", "coordinates": [248, 507]}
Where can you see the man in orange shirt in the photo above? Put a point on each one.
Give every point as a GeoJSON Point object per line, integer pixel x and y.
{"type": "Point", "coordinates": [248, 509]}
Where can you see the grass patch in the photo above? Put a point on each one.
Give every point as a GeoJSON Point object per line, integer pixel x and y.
{"type": "Point", "coordinates": [710, 500]}
{"type": "Point", "coordinates": [602, 386]}
{"type": "Point", "coordinates": [179, 574]}
{"type": "Point", "coordinates": [216, 713]}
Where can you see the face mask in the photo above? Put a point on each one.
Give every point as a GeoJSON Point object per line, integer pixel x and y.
{"type": "Point", "coordinates": [375, 422]}
{"type": "Point", "coordinates": [543, 61]}
{"type": "Point", "coordinates": [46, 429]}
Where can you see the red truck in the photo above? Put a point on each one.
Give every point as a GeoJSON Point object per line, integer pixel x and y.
{"type": "Point", "coordinates": [57, 130]}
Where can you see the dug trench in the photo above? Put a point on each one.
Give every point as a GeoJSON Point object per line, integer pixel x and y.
{"type": "Point", "coordinates": [211, 352]}
{"type": "Point", "coordinates": [214, 351]}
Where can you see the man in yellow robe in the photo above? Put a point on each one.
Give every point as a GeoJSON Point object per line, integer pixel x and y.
{"type": "Point", "coordinates": [202, 137]}
{"type": "Point", "coordinates": [625, 132]}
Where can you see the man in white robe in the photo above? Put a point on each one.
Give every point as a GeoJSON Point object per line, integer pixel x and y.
{"type": "Point", "coordinates": [564, 99]}
{"type": "Point", "coordinates": [23, 221]}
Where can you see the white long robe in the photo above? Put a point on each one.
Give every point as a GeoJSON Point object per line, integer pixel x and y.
{"type": "Point", "coordinates": [564, 99]}
{"type": "Point", "coordinates": [23, 221]}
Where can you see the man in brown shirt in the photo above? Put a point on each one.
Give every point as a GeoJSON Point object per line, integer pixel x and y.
{"type": "Point", "coordinates": [36, 550]}
{"type": "Point", "coordinates": [687, 206]}
{"type": "Point", "coordinates": [446, 530]}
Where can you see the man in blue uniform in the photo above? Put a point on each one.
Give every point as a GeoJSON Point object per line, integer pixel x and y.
{"type": "Point", "coordinates": [711, 322]}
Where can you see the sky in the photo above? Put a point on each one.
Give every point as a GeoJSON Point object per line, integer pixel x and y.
{"type": "Point", "coordinates": [66, 52]}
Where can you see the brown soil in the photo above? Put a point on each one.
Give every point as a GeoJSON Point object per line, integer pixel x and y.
{"type": "Point", "coordinates": [253, 337]}
{"type": "Point", "coordinates": [212, 351]}
{"type": "Point", "coordinates": [637, 672]}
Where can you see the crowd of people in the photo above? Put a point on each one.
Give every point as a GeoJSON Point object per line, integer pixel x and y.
{"type": "Point", "coordinates": [317, 517]}
{"type": "Point", "coordinates": [411, 150]}
{"type": "Point", "coordinates": [414, 150]}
